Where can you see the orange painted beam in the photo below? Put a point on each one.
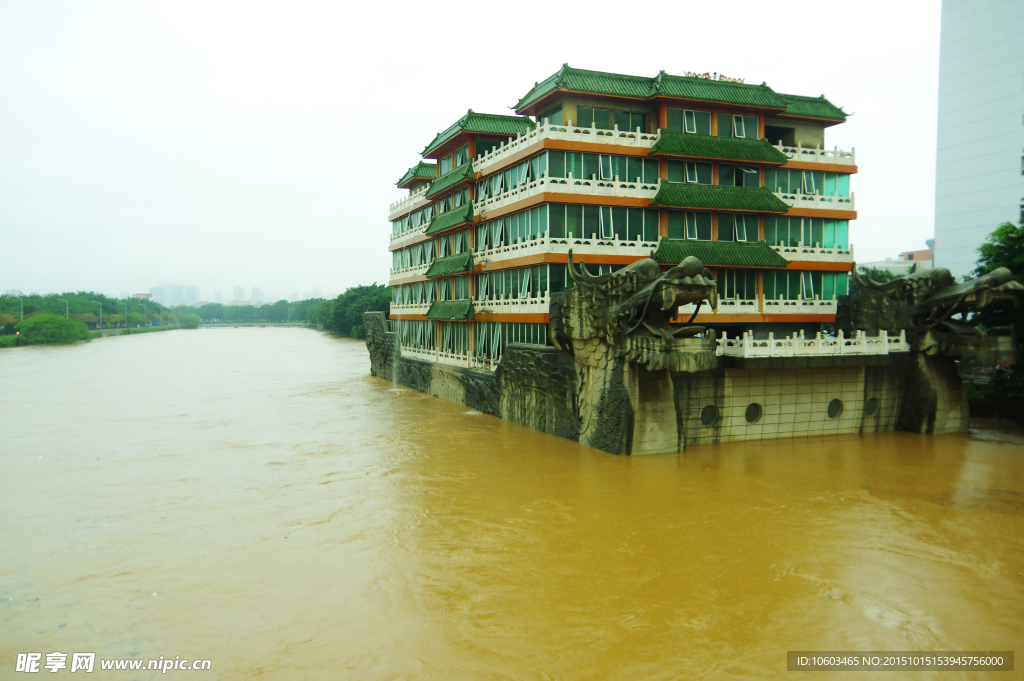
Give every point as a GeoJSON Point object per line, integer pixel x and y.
{"type": "Point", "coordinates": [555, 197]}
{"type": "Point", "coordinates": [822, 213]}
{"type": "Point", "coordinates": [532, 318]}
{"type": "Point", "coordinates": [827, 167]}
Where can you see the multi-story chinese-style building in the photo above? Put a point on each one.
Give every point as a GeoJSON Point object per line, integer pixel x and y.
{"type": "Point", "coordinates": [617, 168]}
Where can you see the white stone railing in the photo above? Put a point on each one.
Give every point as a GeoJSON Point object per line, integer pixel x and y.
{"type": "Point", "coordinates": [545, 244]}
{"type": "Point", "coordinates": [814, 253]}
{"type": "Point", "coordinates": [820, 201]}
{"type": "Point", "coordinates": [799, 346]}
{"type": "Point", "coordinates": [409, 234]}
{"type": "Point", "coordinates": [410, 308]}
{"type": "Point", "coordinates": [800, 306]}
{"type": "Point", "coordinates": [410, 271]}
{"type": "Point", "coordinates": [569, 133]}
{"type": "Point", "coordinates": [483, 363]}
{"type": "Point", "coordinates": [409, 203]}
{"type": "Point", "coordinates": [419, 353]}
{"type": "Point", "coordinates": [592, 187]}
{"type": "Point", "coordinates": [733, 306]}
{"type": "Point", "coordinates": [453, 358]}
{"type": "Point", "coordinates": [818, 155]}
{"type": "Point", "coordinates": [501, 305]}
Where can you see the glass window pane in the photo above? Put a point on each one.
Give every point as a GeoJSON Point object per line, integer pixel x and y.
{"type": "Point", "coordinates": [676, 171]}
{"type": "Point", "coordinates": [726, 226]}
{"type": "Point", "coordinates": [737, 127]}
{"type": "Point", "coordinates": [725, 125]}
{"type": "Point", "coordinates": [674, 120]}
{"type": "Point", "coordinates": [750, 126]}
{"type": "Point", "coordinates": [634, 169]}
{"type": "Point", "coordinates": [691, 171]}
{"type": "Point", "coordinates": [677, 225]}
{"type": "Point", "coordinates": [771, 179]}
{"type": "Point", "coordinates": [842, 279]}
{"type": "Point", "coordinates": [844, 185]}
{"type": "Point", "coordinates": [704, 174]}
{"type": "Point", "coordinates": [635, 226]}
{"type": "Point", "coordinates": [769, 285]}
{"type": "Point", "coordinates": [602, 119]}
{"type": "Point", "coordinates": [842, 236]}
{"type": "Point", "coordinates": [769, 229]}
{"type": "Point", "coordinates": [586, 116]}
{"type": "Point", "coordinates": [703, 123]}
{"type": "Point", "coordinates": [606, 167]}
{"type": "Point", "coordinates": [652, 224]}
{"type": "Point", "coordinates": [829, 236]}
{"type": "Point", "coordinates": [726, 175]}
{"type": "Point", "coordinates": [619, 221]}
{"type": "Point", "coordinates": [703, 226]}
{"type": "Point", "coordinates": [817, 231]}
{"type": "Point", "coordinates": [830, 184]}
{"type": "Point", "coordinates": [691, 121]}
{"type": "Point", "coordinates": [591, 166]}
{"type": "Point", "coordinates": [751, 177]}
{"type": "Point", "coordinates": [651, 170]}
{"type": "Point", "coordinates": [591, 221]}
{"type": "Point", "coordinates": [828, 288]}
{"type": "Point", "coordinates": [556, 163]}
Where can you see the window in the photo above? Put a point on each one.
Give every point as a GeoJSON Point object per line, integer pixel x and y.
{"type": "Point", "coordinates": [444, 289]}
{"type": "Point", "coordinates": [483, 241]}
{"type": "Point", "coordinates": [442, 247]}
{"type": "Point", "coordinates": [481, 285]}
{"type": "Point", "coordinates": [815, 232]}
{"type": "Point", "coordinates": [428, 251]}
{"type": "Point", "coordinates": [486, 146]}
{"type": "Point", "coordinates": [685, 120]}
{"type": "Point", "coordinates": [738, 126]}
{"type": "Point", "coordinates": [629, 120]}
{"type": "Point", "coordinates": [689, 171]}
{"type": "Point", "coordinates": [572, 220]}
{"type": "Point", "coordinates": [737, 227]}
{"type": "Point", "coordinates": [689, 225]}
{"type": "Point", "coordinates": [553, 116]}
{"type": "Point", "coordinates": [739, 284]}
{"type": "Point", "coordinates": [445, 164]}
{"type": "Point", "coordinates": [807, 183]}
{"type": "Point", "coordinates": [592, 117]}
{"type": "Point", "coordinates": [796, 285]}
{"type": "Point", "coordinates": [461, 288]}
{"type": "Point", "coordinates": [461, 155]}
{"type": "Point", "coordinates": [461, 242]}
{"type": "Point", "coordinates": [738, 176]}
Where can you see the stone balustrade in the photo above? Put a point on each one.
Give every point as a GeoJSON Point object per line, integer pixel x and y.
{"type": "Point", "coordinates": [411, 271]}
{"type": "Point", "coordinates": [818, 201]}
{"type": "Point", "coordinates": [546, 244]}
{"type": "Point", "coordinates": [820, 345]}
{"type": "Point", "coordinates": [413, 201]}
{"type": "Point", "coordinates": [818, 155]}
{"type": "Point", "coordinates": [570, 185]}
{"type": "Point", "coordinates": [814, 253]}
{"type": "Point", "coordinates": [501, 305]}
{"type": "Point", "coordinates": [410, 308]}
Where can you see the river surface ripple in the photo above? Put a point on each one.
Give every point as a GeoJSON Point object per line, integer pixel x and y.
{"type": "Point", "coordinates": [254, 497]}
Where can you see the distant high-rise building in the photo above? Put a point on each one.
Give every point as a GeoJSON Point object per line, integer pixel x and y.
{"type": "Point", "coordinates": [191, 295]}
{"type": "Point", "coordinates": [159, 294]}
{"type": "Point", "coordinates": [979, 178]}
{"type": "Point", "coordinates": [239, 294]}
{"type": "Point", "coordinates": [216, 297]}
{"type": "Point", "coordinates": [257, 296]}
{"type": "Point", "coordinates": [315, 293]}
{"type": "Point", "coordinates": [293, 297]}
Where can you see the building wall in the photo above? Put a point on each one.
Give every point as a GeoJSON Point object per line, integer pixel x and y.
{"type": "Point", "coordinates": [979, 180]}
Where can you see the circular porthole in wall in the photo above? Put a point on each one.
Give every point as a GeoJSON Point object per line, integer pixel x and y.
{"type": "Point", "coordinates": [753, 414]}
{"type": "Point", "coordinates": [835, 408]}
{"type": "Point", "coordinates": [871, 407]}
{"type": "Point", "coordinates": [708, 415]}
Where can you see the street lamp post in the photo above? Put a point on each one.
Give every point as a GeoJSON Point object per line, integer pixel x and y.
{"type": "Point", "coordinates": [101, 312]}
{"type": "Point", "coordinates": [66, 307]}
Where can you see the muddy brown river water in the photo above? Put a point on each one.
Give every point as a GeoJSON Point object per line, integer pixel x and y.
{"type": "Point", "coordinates": [254, 497]}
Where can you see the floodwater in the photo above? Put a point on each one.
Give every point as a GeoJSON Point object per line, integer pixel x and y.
{"type": "Point", "coordinates": [254, 497]}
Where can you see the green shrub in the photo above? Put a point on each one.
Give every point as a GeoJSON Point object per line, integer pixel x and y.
{"type": "Point", "coordinates": [51, 329]}
{"type": "Point", "coordinates": [191, 321]}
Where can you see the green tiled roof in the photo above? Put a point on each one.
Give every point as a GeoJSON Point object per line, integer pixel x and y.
{"type": "Point", "coordinates": [453, 264]}
{"type": "Point", "coordinates": [420, 171]}
{"type": "Point", "coordinates": [487, 124]}
{"type": "Point", "coordinates": [813, 107]}
{"type": "Point", "coordinates": [452, 218]}
{"type": "Point", "coordinates": [722, 91]}
{"type": "Point", "coordinates": [450, 309]}
{"type": "Point", "coordinates": [663, 85]}
{"type": "Point", "coordinates": [717, 197]}
{"type": "Point", "coordinates": [719, 253]}
{"type": "Point", "coordinates": [722, 148]}
{"type": "Point", "coordinates": [450, 179]}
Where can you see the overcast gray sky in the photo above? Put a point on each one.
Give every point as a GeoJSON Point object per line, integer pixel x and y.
{"type": "Point", "coordinates": [257, 143]}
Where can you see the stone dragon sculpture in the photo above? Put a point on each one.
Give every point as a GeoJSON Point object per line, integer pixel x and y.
{"type": "Point", "coordinates": [612, 323]}
{"type": "Point", "coordinates": [923, 305]}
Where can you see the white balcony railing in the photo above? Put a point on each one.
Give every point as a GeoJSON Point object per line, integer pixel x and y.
{"type": "Point", "coordinates": [814, 253]}
{"type": "Point", "coordinates": [579, 246]}
{"type": "Point", "coordinates": [820, 201]}
{"type": "Point", "coordinates": [799, 346]}
{"type": "Point", "coordinates": [410, 308]}
{"type": "Point", "coordinates": [817, 155]}
{"type": "Point", "coordinates": [569, 133]}
{"type": "Point", "coordinates": [413, 201]}
{"type": "Point", "coordinates": [419, 353]}
{"type": "Point", "coordinates": [409, 234]}
{"type": "Point", "coordinates": [592, 187]}
{"type": "Point", "coordinates": [800, 306]}
{"type": "Point", "coordinates": [410, 271]}
{"type": "Point", "coordinates": [501, 305]}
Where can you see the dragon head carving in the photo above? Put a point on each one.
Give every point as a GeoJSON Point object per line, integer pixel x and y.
{"type": "Point", "coordinates": [630, 310]}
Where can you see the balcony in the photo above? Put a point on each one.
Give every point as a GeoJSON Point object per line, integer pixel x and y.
{"type": "Point", "coordinates": [544, 244]}
{"type": "Point", "coordinates": [498, 305]}
{"type": "Point", "coordinates": [413, 271]}
{"type": "Point", "coordinates": [410, 308]}
{"type": "Point", "coordinates": [569, 133]}
{"type": "Point", "coordinates": [800, 306]}
{"type": "Point", "coordinates": [814, 253]}
{"type": "Point", "coordinates": [818, 201]}
{"type": "Point", "coordinates": [413, 201]}
{"type": "Point", "coordinates": [606, 188]}
{"type": "Point", "coordinates": [398, 239]}
{"type": "Point", "coordinates": [799, 346]}
{"type": "Point", "coordinates": [814, 155]}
